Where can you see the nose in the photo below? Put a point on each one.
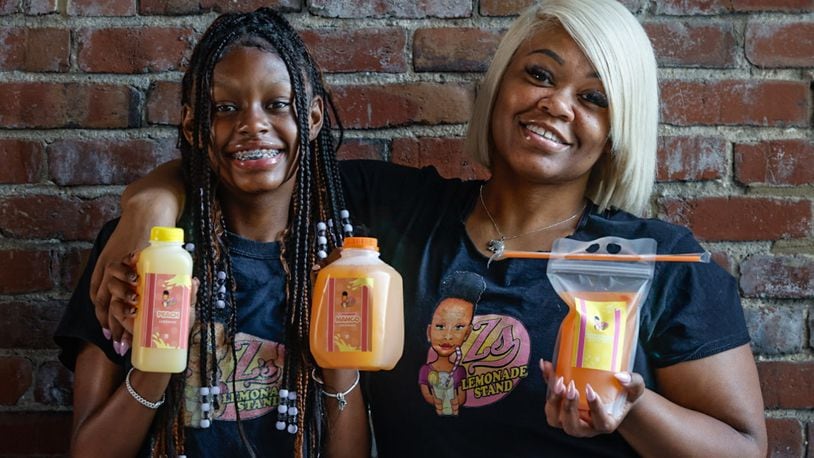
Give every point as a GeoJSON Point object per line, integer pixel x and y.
{"type": "Point", "coordinates": [255, 121]}
{"type": "Point", "coordinates": [559, 104]}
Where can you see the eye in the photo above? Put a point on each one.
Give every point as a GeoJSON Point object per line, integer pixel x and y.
{"type": "Point", "coordinates": [597, 98]}
{"type": "Point", "coordinates": [540, 74]}
{"type": "Point", "coordinates": [439, 327]}
{"type": "Point", "coordinates": [279, 105]}
{"type": "Point", "coordinates": [221, 107]}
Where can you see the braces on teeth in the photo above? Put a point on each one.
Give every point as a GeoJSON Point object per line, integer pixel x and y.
{"type": "Point", "coordinates": [256, 154]}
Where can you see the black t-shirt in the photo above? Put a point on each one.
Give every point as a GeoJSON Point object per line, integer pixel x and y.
{"type": "Point", "coordinates": [692, 311]}
{"type": "Point", "coordinates": [259, 351]}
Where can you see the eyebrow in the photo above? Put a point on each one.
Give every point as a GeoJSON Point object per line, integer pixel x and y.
{"type": "Point", "coordinates": [557, 58]}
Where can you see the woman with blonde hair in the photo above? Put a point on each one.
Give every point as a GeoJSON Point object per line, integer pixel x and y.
{"type": "Point", "coordinates": [566, 121]}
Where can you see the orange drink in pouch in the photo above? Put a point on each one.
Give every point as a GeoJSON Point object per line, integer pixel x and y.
{"type": "Point", "coordinates": [598, 336]}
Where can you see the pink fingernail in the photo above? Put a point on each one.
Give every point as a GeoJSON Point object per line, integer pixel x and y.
{"type": "Point", "coordinates": [106, 333]}
{"type": "Point", "coordinates": [117, 347]}
{"type": "Point", "coordinates": [572, 391]}
{"type": "Point", "coordinates": [590, 394]}
{"type": "Point", "coordinates": [124, 347]}
{"type": "Point", "coordinates": [559, 387]}
{"type": "Point", "coordinates": [623, 377]}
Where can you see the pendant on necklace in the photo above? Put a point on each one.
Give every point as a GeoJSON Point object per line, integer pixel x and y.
{"type": "Point", "coordinates": [496, 246]}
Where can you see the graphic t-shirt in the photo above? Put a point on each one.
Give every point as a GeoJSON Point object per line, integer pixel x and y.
{"type": "Point", "coordinates": [251, 376]}
{"type": "Point", "coordinates": [487, 397]}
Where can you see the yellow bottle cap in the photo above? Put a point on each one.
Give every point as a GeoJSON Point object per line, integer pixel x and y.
{"type": "Point", "coordinates": [365, 243]}
{"type": "Point", "coordinates": [166, 234]}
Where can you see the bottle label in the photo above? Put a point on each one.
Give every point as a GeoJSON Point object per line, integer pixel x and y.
{"type": "Point", "coordinates": [349, 303]}
{"type": "Point", "coordinates": [601, 334]}
{"type": "Point", "coordinates": [166, 311]}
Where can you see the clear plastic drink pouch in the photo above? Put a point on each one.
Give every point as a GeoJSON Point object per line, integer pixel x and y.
{"type": "Point", "coordinates": [598, 336]}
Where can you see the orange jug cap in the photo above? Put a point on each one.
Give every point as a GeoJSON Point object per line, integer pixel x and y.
{"type": "Point", "coordinates": [365, 243]}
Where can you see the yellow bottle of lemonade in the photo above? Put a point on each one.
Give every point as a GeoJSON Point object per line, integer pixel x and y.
{"type": "Point", "coordinates": [357, 312]}
{"type": "Point", "coordinates": [161, 329]}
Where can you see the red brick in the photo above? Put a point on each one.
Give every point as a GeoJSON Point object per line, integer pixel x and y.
{"type": "Point", "coordinates": [778, 162]}
{"type": "Point", "coordinates": [776, 330]}
{"type": "Point", "coordinates": [8, 7]}
{"type": "Point", "coordinates": [30, 325]}
{"type": "Point", "coordinates": [35, 433]}
{"type": "Point", "coordinates": [54, 385]}
{"type": "Point", "coordinates": [692, 158]}
{"type": "Point", "coordinates": [22, 161]}
{"type": "Point", "coordinates": [454, 49]}
{"type": "Point", "coordinates": [503, 7]}
{"type": "Point", "coordinates": [769, 44]}
{"type": "Point", "coordinates": [403, 104]}
{"type": "Point", "coordinates": [740, 218]}
{"type": "Point", "coordinates": [15, 372]}
{"type": "Point", "coordinates": [736, 102]}
{"type": "Point", "coordinates": [778, 276]}
{"type": "Point", "coordinates": [356, 148]}
{"type": "Point", "coordinates": [134, 50]}
{"type": "Point", "coordinates": [34, 50]}
{"type": "Point", "coordinates": [515, 7]}
{"type": "Point", "coordinates": [702, 7]}
{"type": "Point", "coordinates": [89, 162]}
{"type": "Point", "coordinates": [785, 437]}
{"type": "Point", "coordinates": [689, 44]}
{"type": "Point", "coordinates": [59, 217]}
{"type": "Point", "coordinates": [361, 50]}
{"type": "Point", "coordinates": [787, 384]}
{"type": "Point", "coordinates": [106, 8]}
{"type": "Point", "coordinates": [54, 105]}
{"type": "Point", "coordinates": [23, 271]}
{"type": "Point", "coordinates": [71, 265]}
{"type": "Point", "coordinates": [41, 7]}
{"type": "Point", "coordinates": [773, 5]}
{"type": "Point", "coordinates": [179, 7]}
{"type": "Point", "coordinates": [391, 8]}
{"type": "Point", "coordinates": [164, 103]}
{"type": "Point", "coordinates": [445, 154]}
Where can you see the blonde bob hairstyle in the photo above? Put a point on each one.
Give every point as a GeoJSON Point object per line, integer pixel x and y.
{"type": "Point", "coordinates": [620, 52]}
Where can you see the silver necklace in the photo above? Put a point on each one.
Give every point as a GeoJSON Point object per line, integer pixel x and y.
{"type": "Point", "coordinates": [496, 246]}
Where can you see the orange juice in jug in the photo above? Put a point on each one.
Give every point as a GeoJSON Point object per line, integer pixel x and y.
{"type": "Point", "coordinates": [357, 312]}
{"type": "Point", "coordinates": [161, 327]}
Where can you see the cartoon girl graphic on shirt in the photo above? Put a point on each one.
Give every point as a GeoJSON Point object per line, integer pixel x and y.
{"type": "Point", "coordinates": [440, 379]}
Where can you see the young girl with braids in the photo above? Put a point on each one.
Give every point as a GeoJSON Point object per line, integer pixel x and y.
{"type": "Point", "coordinates": [258, 159]}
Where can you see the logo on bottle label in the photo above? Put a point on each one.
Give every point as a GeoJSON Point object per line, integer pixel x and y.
{"type": "Point", "coordinates": [166, 311]}
{"type": "Point", "coordinates": [349, 328]}
{"type": "Point", "coordinates": [601, 330]}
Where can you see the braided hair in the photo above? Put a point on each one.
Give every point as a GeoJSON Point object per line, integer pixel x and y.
{"type": "Point", "coordinates": [317, 196]}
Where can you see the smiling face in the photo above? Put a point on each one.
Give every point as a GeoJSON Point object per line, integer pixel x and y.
{"type": "Point", "coordinates": [255, 145]}
{"type": "Point", "coordinates": [451, 325]}
{"type": "Point", "coordinates": [550, 119]}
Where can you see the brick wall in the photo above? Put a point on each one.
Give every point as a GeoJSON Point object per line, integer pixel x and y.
{"type": "Point", "coordinates": [89, 92]}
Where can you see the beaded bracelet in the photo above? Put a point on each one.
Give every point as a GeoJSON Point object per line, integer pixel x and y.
{"type": "Point", "coordinates": [138, 398]}
{"type": "Point", "coordinates": [340, 396]}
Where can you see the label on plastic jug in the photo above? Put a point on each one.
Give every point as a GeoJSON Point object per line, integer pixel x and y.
{"type": "Point", "coordinates": [166, 313]}
{"type": "Point", "coordinates": [349, 327]}
{"type": "Point", "coordinates": [601, 333]}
